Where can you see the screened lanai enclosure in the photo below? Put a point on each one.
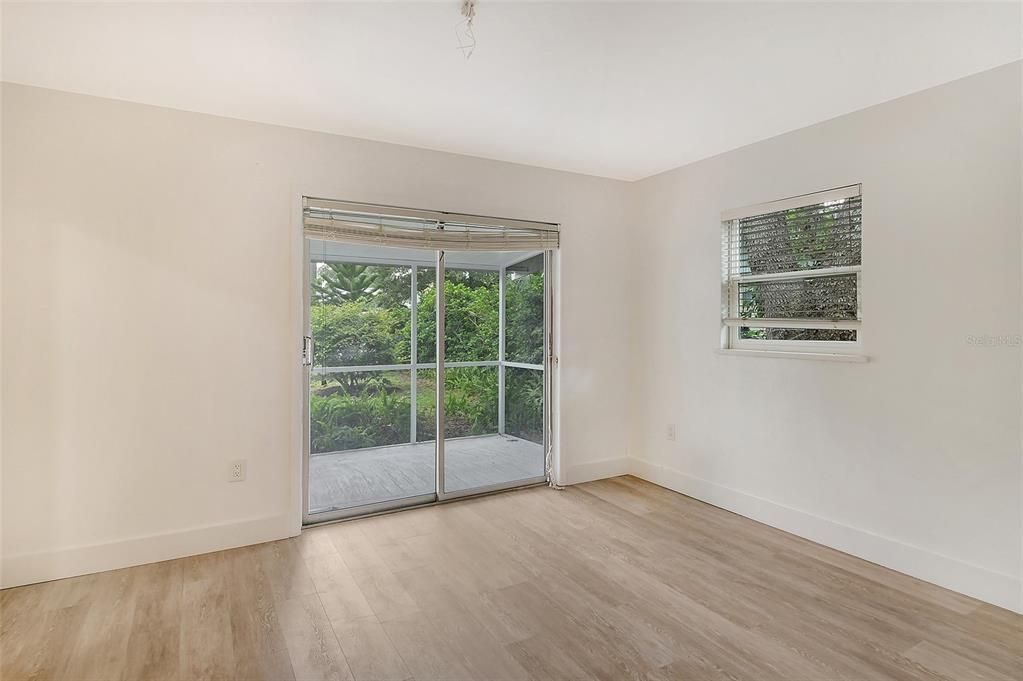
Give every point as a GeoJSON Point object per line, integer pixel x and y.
{"type": "Point", "coordinates": [391, 290]}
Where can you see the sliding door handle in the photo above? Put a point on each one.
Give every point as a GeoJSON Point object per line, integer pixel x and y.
{"type": "Point", "coordinates": [307, 350]}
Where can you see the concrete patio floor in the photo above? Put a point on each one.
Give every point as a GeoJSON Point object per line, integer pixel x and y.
{"type": "Point", "coordinates": [366, 476]}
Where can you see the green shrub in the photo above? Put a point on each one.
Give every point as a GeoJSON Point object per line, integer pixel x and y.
{"type": "Point", "coordinates": [359, 333]}
{"type": "Point", "coordinates": [376, 415]}
{"type": "Point", "coordinates": [523, 404]}
{"type": "Point", "coordinates": [470, 401]}
{"type": "Point", "coordinates": [361, 318]}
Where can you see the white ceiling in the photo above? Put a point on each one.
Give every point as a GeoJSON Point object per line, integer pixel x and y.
{"type": "Point", "coordinates": [622, 90]}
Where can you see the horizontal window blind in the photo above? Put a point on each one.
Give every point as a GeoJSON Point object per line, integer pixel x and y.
{"type": "Point", "coordinates": [832, 298]}
{"type": "Point", "coordinates": [409, 228]}
{"type": "Point", "coordinates": [792, 268]}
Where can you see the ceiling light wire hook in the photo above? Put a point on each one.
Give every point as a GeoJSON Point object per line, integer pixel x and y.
{"type": "Point", "coordinates": [463, 31]}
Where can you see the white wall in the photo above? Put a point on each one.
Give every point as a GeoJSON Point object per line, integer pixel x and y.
{"type": "Point", "coordinates": [151, 318]}
{"type": "Point", "coordinates": [911, 460]}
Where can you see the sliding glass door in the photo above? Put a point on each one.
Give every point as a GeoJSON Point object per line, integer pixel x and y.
{"type": "Point", "coordinates": [484, 449]}
{"type": "Point", "coordinates": [426, 369]}
{"type": "Point", "coordinates": [366, 449]}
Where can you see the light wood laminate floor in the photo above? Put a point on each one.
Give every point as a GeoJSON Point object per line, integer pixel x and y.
{"type": "Point", "coordinates": [611, 580]}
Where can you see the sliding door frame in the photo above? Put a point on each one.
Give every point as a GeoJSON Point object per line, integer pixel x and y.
{"type": "Point", "coordinates": [549, 364]}
{"type": "Point", "coordinates": [548, 413]}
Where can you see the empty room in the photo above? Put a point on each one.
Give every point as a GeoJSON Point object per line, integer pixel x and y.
{"type": "Point", "coordinates": [490, 340]}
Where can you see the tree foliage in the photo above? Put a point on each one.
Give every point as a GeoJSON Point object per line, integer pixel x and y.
{"type": "Point", "coordinates": [337, 283]}
{"type": "Point", "coordinates": [470, 323]}
{"type": "Point", "coordinates": [361, 316]}
{"type": "Point", "coordinates": [524, 320]}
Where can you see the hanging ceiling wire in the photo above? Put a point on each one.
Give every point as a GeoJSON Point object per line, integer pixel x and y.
{"type": "Point", "coordinates": [463, 31]}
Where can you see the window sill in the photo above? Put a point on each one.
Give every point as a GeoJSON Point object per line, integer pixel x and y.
{"type": "Point", "coordinates": [782, 354]}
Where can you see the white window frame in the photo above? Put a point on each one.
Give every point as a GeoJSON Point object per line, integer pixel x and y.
{"type": "Point", "coordinates": [732, 343]}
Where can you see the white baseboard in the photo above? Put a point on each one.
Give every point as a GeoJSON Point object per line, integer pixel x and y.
{"type": "Point", "coordinates": [594, 470]}
{"type": "Point", "coordinates": [29, 568]}
{"type": "Point", "coordinates": [999, 589]}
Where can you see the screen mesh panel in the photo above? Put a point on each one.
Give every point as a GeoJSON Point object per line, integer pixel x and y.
{"type": "Point", "coordinates": [815, 298]}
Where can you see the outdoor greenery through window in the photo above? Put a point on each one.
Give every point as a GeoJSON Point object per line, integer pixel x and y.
{"type": "Point", "coordinates": [792, 272]}
{"type": "Point", "coordinates": [361, 321]}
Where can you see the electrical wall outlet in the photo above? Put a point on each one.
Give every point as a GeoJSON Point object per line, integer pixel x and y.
{"type": "Point", "coordinates": [669, 431]}
{"type": "Point", "coordinates": [236, 472]}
